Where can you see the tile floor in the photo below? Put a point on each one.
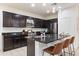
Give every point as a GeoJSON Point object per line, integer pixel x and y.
{"type": "Point", "coordinates": [22, 52]}
{"type": "Point", "coordinates": [16, 52]}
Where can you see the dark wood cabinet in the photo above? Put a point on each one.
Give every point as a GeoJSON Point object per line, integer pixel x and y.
{"type": "Point", "coordinates": [16, 20]}
{"type": "Point", "coordinates": [7, 43]}
{"type": "Point", "coordinates": [12, 41]}
{"type": "Point", "coordinates": [23, 41]}
{"type": "Point", "coordinates": [7, 19]}
{"type": "Point", "coordinates": [19, 20]}
{"type": "Point", "coordinates": [16, 42]}
{"type": "Point", "coordinates": [22, 23]}
{"type": "Point", "coordinates": [38, 23]}
{"type": "Point", "coordinates": [13, 20]}
{"type": "Point", "coordinates": [45, 23]}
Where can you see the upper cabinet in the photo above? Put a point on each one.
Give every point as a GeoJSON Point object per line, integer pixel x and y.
{"type": "Point", "coordinates": [17, 20]}
{"type": "Point", "coordinates": [7, 19]}
{"type": "Point", "coordinates": [13, 20]}
{"type": "Point", "coordinates": [38, 23]}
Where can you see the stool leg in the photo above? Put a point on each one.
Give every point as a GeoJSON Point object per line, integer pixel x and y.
{"type": "Point", "coordinates": [43, 53]}
{"type": "Point", "coordinates": [73, 49]}
{"type": "Point", "coordinates": [61, 54]}
{"type": "Point", "coordinates": [69, 52]}
{"type": "Point", "coordinates": [64, 51]}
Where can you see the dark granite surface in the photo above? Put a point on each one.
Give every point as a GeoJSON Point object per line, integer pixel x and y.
{"type": "Point", "coordinates": [14, 34]}
{"type": "Point", "coordinates": [48, 38]}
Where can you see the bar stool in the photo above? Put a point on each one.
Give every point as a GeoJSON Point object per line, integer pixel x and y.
{"type": "Point", "coordinates": [66, 45]}
{"type": "Point", "coordinates": [72, 45]}
{"type": "Point", "coordinates": [54, 50]}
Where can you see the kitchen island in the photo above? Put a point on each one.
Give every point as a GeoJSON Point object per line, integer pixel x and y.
{"type": "Point", "coordinates": [35, 44]}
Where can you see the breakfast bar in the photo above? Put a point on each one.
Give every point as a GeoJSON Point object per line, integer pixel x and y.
{"type": "Point", "coordinates": [35, 44]}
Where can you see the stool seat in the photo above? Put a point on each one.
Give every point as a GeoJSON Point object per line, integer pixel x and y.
{"type": "Point", "coordinates": [49, 50]}
{"type": "Point", "coordinates": [54, 50]}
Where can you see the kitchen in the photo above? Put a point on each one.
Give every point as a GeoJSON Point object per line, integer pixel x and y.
{"type": "Point", "coordinates": [14, 40]}
{"type": "Point", "coordinates": [14, 22]}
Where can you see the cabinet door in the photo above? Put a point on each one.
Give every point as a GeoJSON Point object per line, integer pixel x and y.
{"type": "Point", "coordinates": [19, 20]}
{"type": "Point", "coordinates": [44, 24]}
{"type": "Point", "coordinates": [7, 19]}
{"type": "Point", "coordinates": [16, 42]}
{"type": "Point", "coordinates": [47, 24]}
{"type": "Point", "coordinates": [22, 21]}
{"type": "Point", "coordinates": [40, 23]}
{"type": "Point", "coordinates": [13, 20]}
{"type": "Point", "coordinates": [37, 23]}
{"type": "Point", "coordinates": [8, 44]}
{"type": "Point", "coordinates": [23, 41]}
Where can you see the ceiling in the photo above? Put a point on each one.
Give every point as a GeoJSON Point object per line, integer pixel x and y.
{"type": "Point", "coordinates": [39, 9]}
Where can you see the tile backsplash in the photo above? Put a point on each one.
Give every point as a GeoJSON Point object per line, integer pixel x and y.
{"type": "Point", "coordinates": [13, 29]}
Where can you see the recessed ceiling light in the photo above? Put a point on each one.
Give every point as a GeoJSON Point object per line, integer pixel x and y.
{"type": "Point", "coordinates": [59, 7]}
{"type": "Point", "coordinates": [53, 10]}
{"type": "Point", "coordinates": [47, 11]}
{"type": "Point", "coordinates": [33, 5]}
{"type": "Point", "coordinates": [44, 4]}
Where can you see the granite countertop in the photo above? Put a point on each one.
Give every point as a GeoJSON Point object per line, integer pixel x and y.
{"type": "Point", "coordinates": [47, 38]}
{"type": "Point", "coordinates": [14, 34]}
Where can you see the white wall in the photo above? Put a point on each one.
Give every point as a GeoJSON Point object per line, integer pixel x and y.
{"type": "Point", "coordinates": [1, 40]}
{"type": "Point", "coordinates": [67, 22]}
{"type": "Point", "coordinates": [13, 29]}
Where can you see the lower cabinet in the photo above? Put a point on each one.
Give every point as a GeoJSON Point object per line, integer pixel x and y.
{"type": "Point", "coordinates": [16, 42]}
{"type": "Point", "coordinates": [10, 43]}
{"type": "Point", "coordinates": [7, 44]}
